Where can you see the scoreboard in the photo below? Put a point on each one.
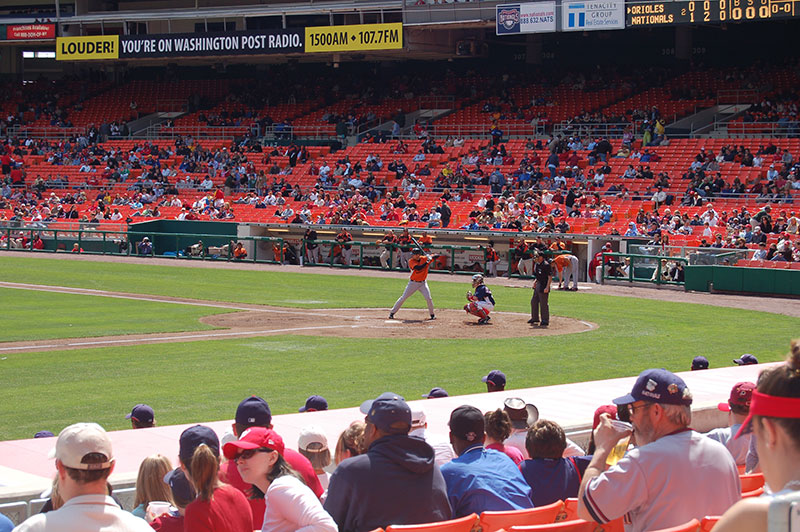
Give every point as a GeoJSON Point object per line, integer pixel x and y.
{"type": "Point", "coordinates": [647, 14]}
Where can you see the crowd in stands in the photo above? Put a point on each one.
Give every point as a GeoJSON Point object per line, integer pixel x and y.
{"type": "Point", "coordinates": [390, 469]}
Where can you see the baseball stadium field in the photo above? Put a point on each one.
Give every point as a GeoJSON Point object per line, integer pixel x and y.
{"type": "Point", "coordinates": [83, 338]}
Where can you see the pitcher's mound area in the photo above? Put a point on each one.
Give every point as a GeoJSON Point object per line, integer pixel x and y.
{"type": "Point", "coordinates": [411, 323]}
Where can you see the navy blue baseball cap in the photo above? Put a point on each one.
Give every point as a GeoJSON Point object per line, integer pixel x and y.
{"type": "Point", "coordinates": [657, 386]}
{"type": "Point", "coordinates": [436, 392]}
{"type": "Point", "coordinates": [746, 360]}
{"type": "Point", "coordinates": [314, 403]}
{"type": "Point", "coordinates": [142, 414]}
{"type": "Point", "coordinates": [44, 434]}
{"type": "Point", "coordinates": [194, 437]}
{"type": "Point", "coordinates": [253, 412]}
{"type": "Point", "coordinates": [699, 362]}
{"type": "Point", "coordinates": [182, 491]}
{"type": "Point", "coordinates": [389, 413]}
{"type": "Point", "coordinates": [496, 377]}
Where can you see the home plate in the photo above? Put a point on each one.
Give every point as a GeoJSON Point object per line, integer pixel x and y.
{"type": "Point", "coordinates": [393, 322]}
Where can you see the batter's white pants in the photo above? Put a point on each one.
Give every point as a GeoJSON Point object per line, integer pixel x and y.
{"type": "Point", "coordinates": [571, 272]}
{"type": "Point", "coordinates": [525, 267]}
{"type": "Point", "coordinates": [412, 287]}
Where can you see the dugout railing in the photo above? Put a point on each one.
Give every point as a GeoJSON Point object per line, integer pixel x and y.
{"type": "Point", "coordinates": [198, 246]}
{"type": "Point", "coordinates": [632, 267]}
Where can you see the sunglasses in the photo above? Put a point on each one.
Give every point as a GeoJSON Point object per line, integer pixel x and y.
{"type": "Point", "coordinates": [249, 453]}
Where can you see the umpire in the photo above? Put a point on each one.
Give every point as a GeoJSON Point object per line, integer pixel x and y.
{"type": "Point", "coordinates": [543, 276]}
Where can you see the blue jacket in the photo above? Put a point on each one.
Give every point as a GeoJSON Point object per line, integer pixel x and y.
{"type": "Point", "coordinates": [395, 483]}
{"type": "Point", "coordinates": [484, 479]}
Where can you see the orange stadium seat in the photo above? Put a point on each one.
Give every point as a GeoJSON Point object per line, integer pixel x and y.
{"type": "Point", "coordinates": [462, 524]}
{"type": "Point", "coordinates": [708, 523]}
{"type": "Point", "coordinates": [751, 482]}
{"type": "Point", "coordinates": [493, 521]}
{"type": "Point", "coordinates": [691, 526]}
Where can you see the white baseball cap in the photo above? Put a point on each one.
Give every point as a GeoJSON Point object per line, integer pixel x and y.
{"type": "Point", "coordinates": [80, 439]}
{"type": "Point", "coordinates": [309, 435]}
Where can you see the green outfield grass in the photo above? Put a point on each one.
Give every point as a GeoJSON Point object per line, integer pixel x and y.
{"type": "Point", "coordinates": [31, 315]}
{"type": "Point", "coordinates": [196, 381]}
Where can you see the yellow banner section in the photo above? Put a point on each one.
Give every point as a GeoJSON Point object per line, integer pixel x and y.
{"type": "Point", "coordinates": [83, 48]}
{"type": "Point", "coordinates": [354, 38]}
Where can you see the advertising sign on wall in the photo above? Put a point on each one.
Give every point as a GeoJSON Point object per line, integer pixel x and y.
{"type": "Point", "coordinates": [591, 16]}
{"type": "Point", "coordinates": [532, 17]}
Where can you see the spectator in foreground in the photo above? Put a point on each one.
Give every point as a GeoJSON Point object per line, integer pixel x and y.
{"type": "Point", "coordinates": [350, 442]}
{"type": "Point", "coordinates": [150, 484]}
{"type": "Point", "coordinates": [258, 454]}
{"type": "Point", "coordinates": [498, 429]}
{"type": "Point", "coordinates": [84, 460]}
{"type": "Point", "coordinates": [255, 412]}
{"type": "Point", "coordinates": [480, 479]}
{"type": "Point", "coordinates": [551, 477]}
{"type": "Point", "coordinates": [395, 482]}
{"type": "Point", "coordinates": [673, 476]}
{"type": "Point", "coordinates": [738, 408]}
{"type": "Point", "coordinates": [442, 449]}
{"type": "Point", "coordinates": [5, 524]}
{"type": "Point", "coordinates": [182, 494]}
{"type": "Point", "coordinates": [699, 362]}
{"type": "Point", "coordinates": [218, 506]}
{"type": "Point", "coordinates": [313, 444]}
{"type": "Point", "coordinates": [774, 419]}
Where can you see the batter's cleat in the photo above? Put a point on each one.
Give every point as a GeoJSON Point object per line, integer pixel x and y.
{"type": "Point", "coordinates": [391, 316]}
{"type": "Point", "coordinates": [433, 317]}
{"type": "Point", "coordinates": [484, 321]}
{"type": "Point", "coordinates": [533, 321]}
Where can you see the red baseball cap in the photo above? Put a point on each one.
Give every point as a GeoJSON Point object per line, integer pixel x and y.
{"type": "Point", "coordinates": [741, 395]}
{"type": "Point", "coordinates": [611, 410]}
{"type": "Point", "coordinates": [254, 438]}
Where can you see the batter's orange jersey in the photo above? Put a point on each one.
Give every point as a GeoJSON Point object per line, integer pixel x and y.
{"type": "Point", "coordinates": [561, 262]}
{"type": "Point", "coordinates": [421, 274]}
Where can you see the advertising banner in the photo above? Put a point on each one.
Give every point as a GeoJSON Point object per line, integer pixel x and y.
{"type": "Point", "coordinates": [87, 48]}
{"type": "Point", "coordinates": [532, 17]}
{"type": "Point", "coordinates": [211, 44]}
{"type": "Point", "coordinates": [30, 32]}
{"type": "Point", "coordinates": [356, 38]}
{"type": "Point", "coordinates": [592, 16]}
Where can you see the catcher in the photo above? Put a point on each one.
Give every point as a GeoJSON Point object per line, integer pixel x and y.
{"type": "Point", "coordinates": [481, 303]}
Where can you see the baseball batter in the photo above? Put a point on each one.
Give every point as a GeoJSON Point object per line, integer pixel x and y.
{"type": "Point", "coordinates": [418, 263]}
{"type": "Point", "coordinates": [481, 303]}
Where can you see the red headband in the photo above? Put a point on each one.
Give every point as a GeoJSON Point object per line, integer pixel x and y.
{"type": "Point", "coordinates": [774, 406]}
{"type": "Point", "coordinates": [770, 406]}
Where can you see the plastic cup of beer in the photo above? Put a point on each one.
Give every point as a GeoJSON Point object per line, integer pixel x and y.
{"type": "Point", "coordinates": [621, 447]}
{"type": "Point", "coordinates": [156, 509]}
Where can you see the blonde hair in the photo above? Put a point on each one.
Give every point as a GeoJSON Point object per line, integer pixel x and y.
{"type": "Point", "coordinates": [150, 485]}
{"type": "Point", "coordinates": [351, 440]}
{"type": "Point", "coordinates": [55, 495]}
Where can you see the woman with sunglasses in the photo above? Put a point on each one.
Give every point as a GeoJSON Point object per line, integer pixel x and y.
{"type": "Point", "coordinates": [775, 420]}
{"type": "Point", "coordinates": [290, 504]}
